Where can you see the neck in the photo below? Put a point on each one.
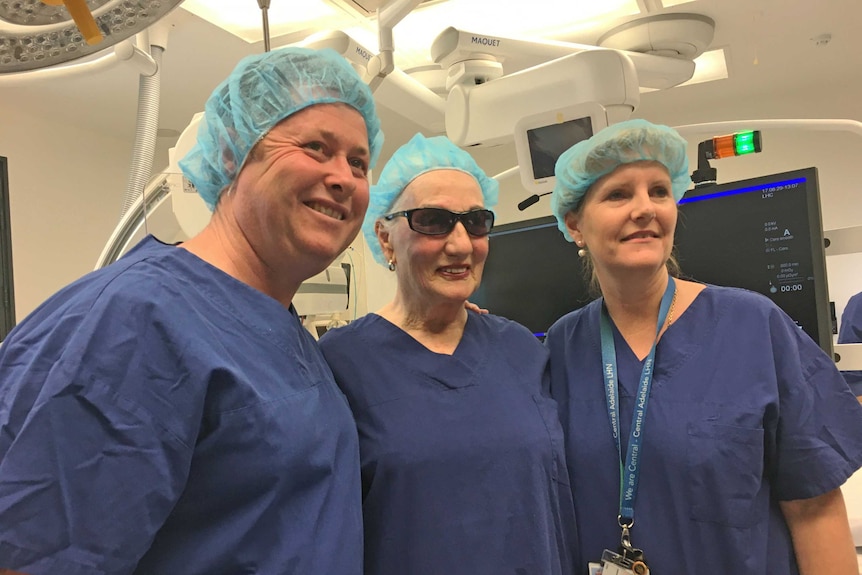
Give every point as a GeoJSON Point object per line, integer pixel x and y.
{"type": "Point", "coordinates": [633, 303]}
{"type": "Point", "coordinates": [224, 246]}
{"type": "Point", "coordinates": [438, 326]}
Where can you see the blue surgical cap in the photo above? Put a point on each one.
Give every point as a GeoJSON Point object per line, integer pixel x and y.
{"type": "Point", "coordinates": [579, 167]}
{"type": "Point", "coordinates": [419, 156]}
{"type": "Point", "coordinates": [263, 90]}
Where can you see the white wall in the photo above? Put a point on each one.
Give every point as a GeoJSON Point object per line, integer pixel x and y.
{"type": "Point", "coordinates": [66, 185]}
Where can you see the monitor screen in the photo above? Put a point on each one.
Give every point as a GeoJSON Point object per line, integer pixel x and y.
{"type": "Point", "coordinates": [541, 138]}
{"type": "Point", "coordinates": [547, 143]}
{"type": "Point", "coordinates": [764, 234]}
{"type": "Point", "coordinates": [532, 274]}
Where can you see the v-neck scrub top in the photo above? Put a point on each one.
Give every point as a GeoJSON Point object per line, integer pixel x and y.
{"type": "Point", "coordinates": [463, 470]}
{"type": "Point", "coordinates": [745, 410]}
{"type": "Point", "coordinates": [160, 417]}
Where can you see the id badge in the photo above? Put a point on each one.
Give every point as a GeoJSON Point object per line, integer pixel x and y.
{"type": "Point", "coordinates": [616, 564]}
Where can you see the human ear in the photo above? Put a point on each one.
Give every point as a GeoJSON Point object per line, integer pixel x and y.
{"type": "Point", "coordinates": [571, 220]}
{"type": "Point", "coordinates": [383, 239]}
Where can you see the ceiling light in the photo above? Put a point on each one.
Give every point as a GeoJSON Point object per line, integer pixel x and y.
{"type": "Point", "coordinates": [415, 33]}
{"type": "Point", "coordinates": [244, 18]}
{"type": "Point", "coordinates": [544, 19]}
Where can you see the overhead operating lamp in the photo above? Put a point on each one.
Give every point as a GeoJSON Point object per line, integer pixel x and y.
{"type": "Point", "coordinates": [80, 13]}
{"type": "Point", "coordinates": [37, 34]}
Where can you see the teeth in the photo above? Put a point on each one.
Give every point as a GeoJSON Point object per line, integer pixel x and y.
{"type": "Point", "coordinates": [326, 211]}
{"type": "Point", "coordinates": [455, 270]}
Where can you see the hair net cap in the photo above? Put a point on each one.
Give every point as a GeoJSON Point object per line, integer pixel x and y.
{"type": "Point", "coordinates": [419, 156]}
{"type": "Point", "coordinates": [579, 167]}
{"type": "Point", "coordinates": [263, 90]}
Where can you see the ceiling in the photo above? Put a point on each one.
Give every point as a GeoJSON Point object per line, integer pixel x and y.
{"type": "Point", "coordinates": [771, 48]}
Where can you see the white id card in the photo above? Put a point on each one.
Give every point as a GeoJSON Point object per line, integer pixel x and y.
{"type": "Point", "coordinates": [615, 564]}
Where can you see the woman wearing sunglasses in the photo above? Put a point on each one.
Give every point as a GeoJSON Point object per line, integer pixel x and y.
{"type": "Point", "coordinates": [461, 447]}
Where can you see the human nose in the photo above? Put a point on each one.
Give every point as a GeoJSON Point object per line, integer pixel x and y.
{"type": "Point", "coordinates": [458, 242]}
{"type": "Point", "coordinates": [340, 176]}
{"type": "Point", "coordinates": [643, 208]}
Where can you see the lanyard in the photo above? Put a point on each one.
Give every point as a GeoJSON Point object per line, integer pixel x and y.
{"type": "Point", "coordinates": [630, 471]}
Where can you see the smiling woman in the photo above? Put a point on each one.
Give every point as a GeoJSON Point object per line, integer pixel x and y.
{"type": "Point", "coordinates": [460, 447]}
{"type": "Point", "coordinates": [733, 430]}
{"type": "Point", "coordinates": [160, 375]}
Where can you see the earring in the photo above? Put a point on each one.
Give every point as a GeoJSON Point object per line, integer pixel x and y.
{"type": "Point", "coordinates": [392, 265]}
{"type": "Point", "coordinates": [582, 252]}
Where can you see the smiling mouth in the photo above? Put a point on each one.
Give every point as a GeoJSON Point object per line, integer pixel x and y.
{"type": "Point", "coordinates": [641, 236]}
{"type": "Point", "coordinates": [334, 214]}
{"type": "Point", "coordinates": [454, 270]}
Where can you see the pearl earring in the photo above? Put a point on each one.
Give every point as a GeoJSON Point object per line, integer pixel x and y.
{"type": "Point", "coordinates": [392, 265]}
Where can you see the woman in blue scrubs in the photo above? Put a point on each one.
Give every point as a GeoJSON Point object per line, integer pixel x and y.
{"type": "Point", "coordinates": [168, 414]}
{"type": "Point", "coordinates": [461, 449]}
{"type": "Point", "coordinates": [705, 432]}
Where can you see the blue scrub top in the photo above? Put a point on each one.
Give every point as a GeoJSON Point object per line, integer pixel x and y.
{"type": "Point", "coordinates": [159, 416]}
{"type": "Point", "coordinates": [463, 471]}
{"type": "Point", "coordinates": [745, 410]}
{"type": "Point", "coordinates": [851, 332]}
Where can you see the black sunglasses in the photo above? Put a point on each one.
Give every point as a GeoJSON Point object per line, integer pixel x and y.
{"type": "Point", "coordinates": [438, 222]}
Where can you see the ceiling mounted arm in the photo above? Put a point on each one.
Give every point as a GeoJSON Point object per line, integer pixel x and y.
{"type": "Point", "coordinates": [264, 11]}
{"type": "Point", "coordinates": [397, 91]}
{"type": "Point", "coordinates": [387, 17]}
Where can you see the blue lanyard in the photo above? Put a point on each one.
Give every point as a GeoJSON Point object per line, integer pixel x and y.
{"type": "Point", "coordinates": [630, 472]}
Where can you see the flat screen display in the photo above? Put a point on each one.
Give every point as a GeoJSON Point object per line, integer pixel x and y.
{"type": "Point", "coordinates": [764, 234]}
{"type": "Point", "coordinates": [532, 274]}
{"type": "Point", "coordinates": [547, 143]}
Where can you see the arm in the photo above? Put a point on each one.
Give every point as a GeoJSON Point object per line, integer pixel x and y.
{"type": "Point", "coordinates": [821, 534]}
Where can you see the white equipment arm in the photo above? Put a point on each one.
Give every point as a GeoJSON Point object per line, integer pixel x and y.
{"type": "Point", "coordinates": [486, 114]}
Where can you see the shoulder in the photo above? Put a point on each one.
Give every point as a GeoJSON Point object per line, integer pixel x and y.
{"type": "Point", "coordinates": [504, 329]}
{"type": "Point", "coordinates": [343, 335]}
{"type": "Point", "coordinates": [736, 303]}
{"type": "Point", "coordinates": [575, 320]}
{"type": "Point", "coordinates": [854, 305]}
{"type": "Point", "coordinates": [499, 323]}
{"type": "Point", "coordinates": [347, 345]}
{"type": "Point", "coordinates": [127, 309]}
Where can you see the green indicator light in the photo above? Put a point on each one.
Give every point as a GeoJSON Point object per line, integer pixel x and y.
{"type": "Point", "coordinates": [743, 143]}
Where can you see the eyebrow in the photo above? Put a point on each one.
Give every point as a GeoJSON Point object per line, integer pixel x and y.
{"type": "Point", "coordinates": [474, 207]}
{"type": "Point", "coordinates": [330, 135]}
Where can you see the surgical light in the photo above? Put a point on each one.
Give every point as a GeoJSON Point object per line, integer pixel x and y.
{"type": "Point", "coordinates": [38, 34]}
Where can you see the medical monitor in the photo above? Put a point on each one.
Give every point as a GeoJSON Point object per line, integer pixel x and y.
{"type": "Point", "coordinates": [532, 274]}
{"type": "Point", "coordinates": [764, 234]}
{"type": "Point", "coordinates": [541, 138]}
